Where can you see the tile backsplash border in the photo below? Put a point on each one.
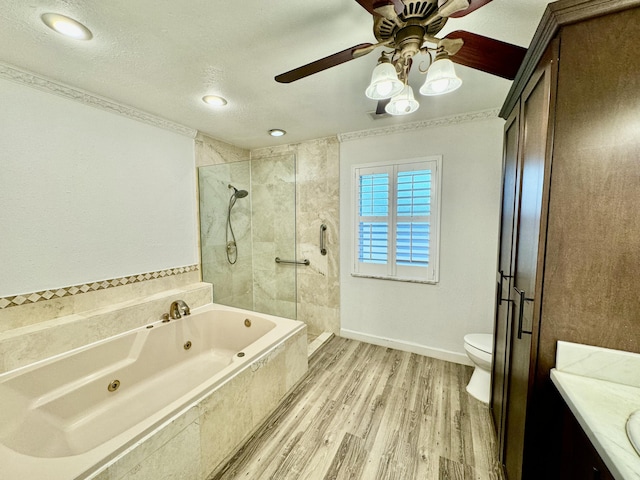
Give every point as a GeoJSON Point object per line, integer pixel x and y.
{"type": "Point", "coordinates": [28, 298]}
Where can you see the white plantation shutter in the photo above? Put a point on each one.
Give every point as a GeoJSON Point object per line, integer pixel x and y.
{"type": "Point", "coordinates": [397, 220]}
{"type": "Point", "coordinates": [373, 191]}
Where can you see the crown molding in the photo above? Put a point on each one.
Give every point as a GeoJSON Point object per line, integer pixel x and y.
{"type": "Point", "coordinates": [29, 79]}
{"type": "Point", "coordinates": [408, 127]}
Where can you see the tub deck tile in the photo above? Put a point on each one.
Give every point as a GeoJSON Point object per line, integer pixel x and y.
{"type": "Point", "coordinates": [365, 412]}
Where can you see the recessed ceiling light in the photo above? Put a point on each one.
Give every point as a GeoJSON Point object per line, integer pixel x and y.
{"type": "Point", "coordinates": [214, 100]}
{"type": "Point", "coordinates": [67, 26]}
{"type": "Point", "coordinates": [277, 132]}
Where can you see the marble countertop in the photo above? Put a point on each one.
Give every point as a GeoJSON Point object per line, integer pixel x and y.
{"type": "Point", "coordinates": [602, 388]}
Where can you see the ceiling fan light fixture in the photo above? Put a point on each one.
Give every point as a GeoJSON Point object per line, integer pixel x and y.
{"type": "Point", "coordinates": [384, 82]}
{"type": "Point", "coordinates": [402, 104]}
{"type": "Point", "coordinates": [441, 77]}
{"type": "Point", "coordinates": [66, 26]}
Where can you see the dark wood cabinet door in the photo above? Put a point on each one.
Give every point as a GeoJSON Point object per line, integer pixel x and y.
{"type": "Point", "coordinates": [502, 327]}
{"type": "Point", "coordinates": [530, 213]}
{"type": "Point", "coordinates": [579, 459]}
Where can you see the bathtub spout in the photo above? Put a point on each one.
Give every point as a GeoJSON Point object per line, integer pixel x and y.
{"type": "Point", "coordinates": [178, 309]}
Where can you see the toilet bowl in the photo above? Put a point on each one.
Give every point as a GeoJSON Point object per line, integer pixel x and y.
{"type": "Point", "coordinates": [479, 348]}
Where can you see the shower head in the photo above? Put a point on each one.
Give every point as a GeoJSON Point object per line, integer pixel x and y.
{"type": "Point", "coordinates": [238, 193]}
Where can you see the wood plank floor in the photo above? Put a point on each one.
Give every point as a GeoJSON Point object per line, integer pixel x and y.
{"type": "Point", "coordinates": [372, 413]}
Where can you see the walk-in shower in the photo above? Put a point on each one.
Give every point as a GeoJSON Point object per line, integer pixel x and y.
{"type": "Point", "coordinates": [232, 247]}
{"type": "Point", "coordinates": [252, 231]}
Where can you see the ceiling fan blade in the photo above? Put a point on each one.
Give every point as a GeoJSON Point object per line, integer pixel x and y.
{"type": "Point", "coordinates": [488, 55]}
{"type": "Point", "coordinates": [371, 5]}
{"type": "Point", "coordinates": [474, 5]}
{"type": "Point", "coordinates": [319, 65]}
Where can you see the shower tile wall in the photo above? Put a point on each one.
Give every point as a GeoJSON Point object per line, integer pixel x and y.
{"type": "Point", "coordinates": [317, 202]}
{"type": "Point", "coordinates": [273, 190]}
{"type": "Point", "coordinates": [232, 284]}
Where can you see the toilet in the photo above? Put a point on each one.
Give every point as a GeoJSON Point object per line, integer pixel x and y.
{"type": "Point", "coordinates": [479, 348]}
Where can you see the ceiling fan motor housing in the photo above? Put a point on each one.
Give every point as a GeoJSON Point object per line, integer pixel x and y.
{"type": "Point", "coordinates": [385, 29]}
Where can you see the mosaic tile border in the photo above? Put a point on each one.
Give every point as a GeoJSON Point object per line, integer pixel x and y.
{"type": "Point", "coordinates": [35, 297]}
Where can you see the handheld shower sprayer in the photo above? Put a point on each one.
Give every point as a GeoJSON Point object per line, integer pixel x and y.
{"type": "Point", "coordinates": [238, 193]}
{"type": "Point", "coordinates": [232, 248]}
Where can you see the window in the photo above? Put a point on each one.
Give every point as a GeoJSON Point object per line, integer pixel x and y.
{"type": "Point", "coordinates": [397, 219]}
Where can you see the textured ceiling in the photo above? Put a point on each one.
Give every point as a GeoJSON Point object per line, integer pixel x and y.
{"type": "Point", "coordinates": [163, 56]}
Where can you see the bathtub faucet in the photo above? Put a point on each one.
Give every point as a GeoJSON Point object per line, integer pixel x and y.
{"type": "Point", "coordinates": [178, 309]}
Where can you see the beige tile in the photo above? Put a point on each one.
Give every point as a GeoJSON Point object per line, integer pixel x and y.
{"type": "Point", "coordinates": [36, 342]}
{"type": "Point", "coordinates": [296, 359]}
{"type": "Point", "coordinates": [30, 314]}
{"type": "Point", "coordinates": [209, 151]}
{"type": "Point", "coordinates": [178, 459]}
{"type": "Point", "coordinates": [268, 387]}
{"type": "Point", "coordinates": [225, 419]}
{"type": "Point", "coordinates": [133, 458]}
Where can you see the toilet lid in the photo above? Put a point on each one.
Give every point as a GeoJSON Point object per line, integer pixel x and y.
{"type": "Point", "coordinates": [481, 341]}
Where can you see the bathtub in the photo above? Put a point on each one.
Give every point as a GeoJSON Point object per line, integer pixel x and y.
{"type": "Point", "coordinates": [68, 416]}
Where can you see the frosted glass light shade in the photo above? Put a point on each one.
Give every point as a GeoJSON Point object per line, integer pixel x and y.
{"type": "Point", "coordinates": [402, 104]}
{"type": "Point", "coordinates": [384, 82]}
{"type": "Point", "coordinates": [441, 78]}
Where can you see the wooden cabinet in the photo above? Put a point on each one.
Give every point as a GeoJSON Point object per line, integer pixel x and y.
{"type": "Point", "coordinates": [522, 240]}
{"type": "Point", "coordinates": [569, 259]}
{"type": "Point", "coordinates": [501, 342]}
{"type": "Point", "coordinates": [580, 460]}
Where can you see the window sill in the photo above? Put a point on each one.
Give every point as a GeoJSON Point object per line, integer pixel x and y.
{"type": "Point", "coordinates": [395, 279]}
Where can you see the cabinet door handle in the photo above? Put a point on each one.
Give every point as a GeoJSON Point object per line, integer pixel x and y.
{"type": "Point", "coordinates": [502, 277]}
{"type": "Point", "coordinates": [523, 299]}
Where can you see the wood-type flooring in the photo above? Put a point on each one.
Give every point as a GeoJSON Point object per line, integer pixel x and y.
{"type": "Point", "coordinates": [372, 413]}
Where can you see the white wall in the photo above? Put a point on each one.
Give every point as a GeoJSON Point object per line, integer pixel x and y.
{"type": "Point", "coordinates": [88, 195]}
{"type": "Point", "coordinates": [431, 319]}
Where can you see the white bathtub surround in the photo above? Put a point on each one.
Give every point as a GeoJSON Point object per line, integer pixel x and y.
{"type": "Point", "coordinates": [30, 343]}
{"type": "Point", "coordinates": [602, 388]}
{"type": "Point", "coordinates": [189, 418]}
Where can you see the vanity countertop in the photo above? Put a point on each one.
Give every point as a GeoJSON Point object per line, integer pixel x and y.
{"type": "Point", "coordinates": [602, 388]}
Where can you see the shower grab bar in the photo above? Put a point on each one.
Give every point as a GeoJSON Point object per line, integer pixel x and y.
{"type": "Point", "coordinates": [323, 250]}
{"type": "Point", "coordinates": [293, 262]}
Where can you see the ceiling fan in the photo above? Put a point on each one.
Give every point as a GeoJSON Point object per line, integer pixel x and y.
{"type": "Point", "coordinates": [408, 27]}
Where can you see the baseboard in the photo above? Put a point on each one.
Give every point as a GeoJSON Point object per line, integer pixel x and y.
{"type": "Point", "coordinates": [438, 353]}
